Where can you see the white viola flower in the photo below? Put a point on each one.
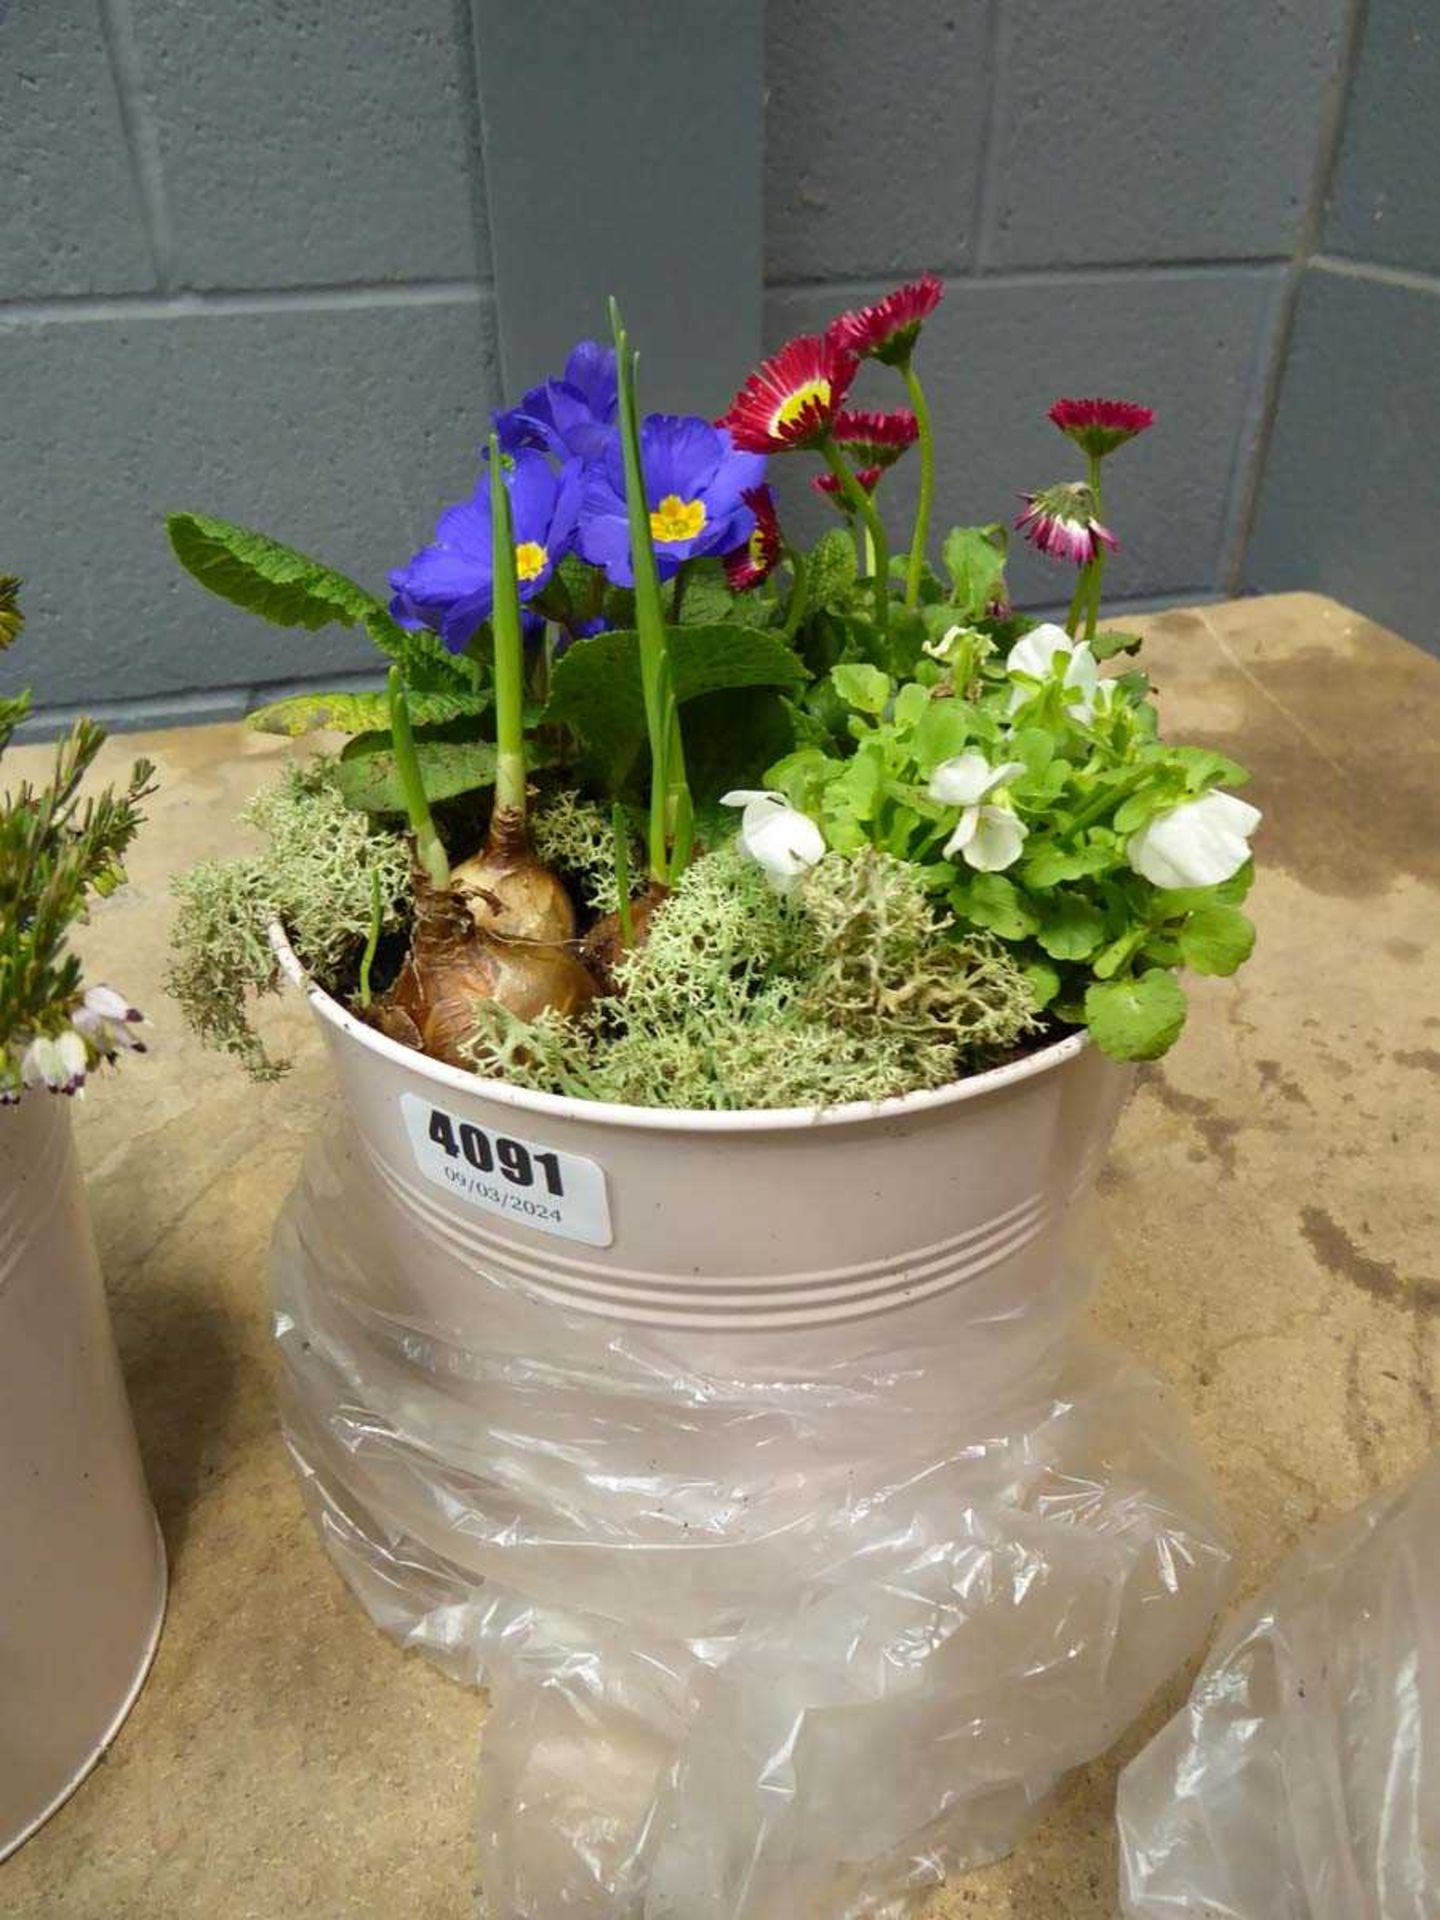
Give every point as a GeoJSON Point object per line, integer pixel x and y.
{"type": "Point", "coordinates": [987, 837]}
{"type": "Point", "coordinates": [104, 1018]}
{"type": "Point", "coordinates": [784, 841]}
{"type": "Point", "coordinates": [1036, 655]}
{"type": "Point", "coordinates": [1198, 844]}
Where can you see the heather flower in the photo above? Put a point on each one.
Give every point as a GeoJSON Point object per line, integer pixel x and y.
{"type": "Point", "coordinates": [449, 585]}
{"type": "Point", "coordinates": [1100, 426]}
{"type": "Point", "coordinates": [572, 415]}
{"type": "Point", "coordinates": [104, 1019]}
{"type": "Point", "coordinates": [1036, 656]}
{"type": "Point", "coordinates": [747, 566]}
{"type": "Point", "coordinates": [784, 841]}
{"type": "Point", "coordinates": [875, 439]}
{"type": "Point", "coordinates": [792, 399]}
{"type": "Point", "coordinates": [1198, 844]}
{"type": "Point", "coordinates": [55, 1061]}
{"type": "Point", "coordinates": [987, 837]}
{"type": "Point", "coordinates": [889, 329]}
{"type": "Point", "coordinates": [1061, 521]}
{"type": "Point", "coordinates": [695, 487]}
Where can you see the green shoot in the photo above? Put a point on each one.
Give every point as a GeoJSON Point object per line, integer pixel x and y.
{"type": "Point", "coordinates": [428, 849]}
{"type": "Point", "coordinates": [509, 650]}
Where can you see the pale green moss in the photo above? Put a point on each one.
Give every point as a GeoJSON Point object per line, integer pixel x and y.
{"type": "Point", "coordinates": [851, 988]}
{"type": "Point", "coordinates": [316, 875]}
{"type": "Point", "coordinates": [574, 838]}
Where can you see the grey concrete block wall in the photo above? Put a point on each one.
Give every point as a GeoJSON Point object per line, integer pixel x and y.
{"type": "Point", "coordinates": [1349, 497]}
{"type": "Point", "coordinates": [274, 260]}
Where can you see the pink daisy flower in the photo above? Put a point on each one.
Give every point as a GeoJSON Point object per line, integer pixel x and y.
{"type": "Point", "coordinates": [829, 485]}
{"type": "Point", "coordinates": [876, 439]}
{"type": "Point", "coordinates": [1100, 426]}
{"type": "Point", "coordinates": [1061, 521]}
{"type": "Point", "coordinates": [791, 399]}
{"type": "Point", "coordinates": [747, 566]}
{"type": "Point", "coordinates": [889, 329]}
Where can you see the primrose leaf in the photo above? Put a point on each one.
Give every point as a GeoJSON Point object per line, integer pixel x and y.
{"type": "Point", "coordinates": [1216, 939]}
{"type": "Point", "coordinates": [264, 576]}
{"type": "Point", "coordinates": [360, 712]}
{"type": "Point", "coordinates": [368, 780]}
{"type": "Point", "coordinates": [865, 688]}
{"type": "Point", "coordinates": [1138, 1018]}
{"type": "Point", "coordinates": [596, 686]}
{"type": "Point", "coordinates": [1072, 927]}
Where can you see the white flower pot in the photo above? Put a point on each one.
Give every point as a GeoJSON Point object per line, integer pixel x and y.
{"type": "Point", "coordinates": [82, 1573]}
{"type": "Point", "coordinates": [756, 1462]}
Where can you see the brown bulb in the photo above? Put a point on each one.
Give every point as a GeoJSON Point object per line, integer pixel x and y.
{"type": "Point", "coordinates": [509, 893]}
{"type": "Point", "coordinates": [452, 964]}
{"type": "Point", "coordinates": [605, 945]}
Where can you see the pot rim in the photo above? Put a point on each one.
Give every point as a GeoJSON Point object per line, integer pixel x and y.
{"type": "Point", "coordinates": [666, 1119]}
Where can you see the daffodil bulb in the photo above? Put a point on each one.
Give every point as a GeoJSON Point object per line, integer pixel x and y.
{"type": "Point", "coordinates": [1198, 844]}
{"type": "Point", "coordinates": [987, 837]}
{"type": "Point", "coordinates": [781, 839]}
{"type": "Point", "coordinates": [1039, 654]}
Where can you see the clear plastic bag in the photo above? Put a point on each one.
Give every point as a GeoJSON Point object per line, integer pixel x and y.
{"type": "Point", "coordinates": [1302, 1779]}
{"type": "Point", "coordinates": [788, 1624]}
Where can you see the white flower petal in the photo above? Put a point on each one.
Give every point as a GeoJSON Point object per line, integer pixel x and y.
{"type": "Point", "coordinates": [996, 841]}
{"type": "Point", "coordinates": [963, 781]}
{"type": "Point", "coordinates": [747, 796]}
{"type": "Point", "coordinates": [784, 841]}
{"type": "Point", "coordinates": [964, 833]}
{"type": "Point", "coordinates": [1199, 844]}
{"type": "Point", "coordinates": [1034, 654]}
{"type": "Point", "coordinates": [1082, 670]}
{"type": "Point", "coordinates": [109, 1004]}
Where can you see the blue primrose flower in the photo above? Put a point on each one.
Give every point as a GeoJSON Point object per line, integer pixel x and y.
{"type": "Point", "coordinates": [694, 479]}
{"type": "Point", "coordinates": [449, 585]}
{"type": "Point", "coordinates": [573, 414]}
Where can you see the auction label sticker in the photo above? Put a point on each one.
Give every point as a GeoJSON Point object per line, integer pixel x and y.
{"type": "Point", "coordinates": [553, 1192]}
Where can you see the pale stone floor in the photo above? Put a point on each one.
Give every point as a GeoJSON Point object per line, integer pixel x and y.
{"type": "Point", "coordinates": [1271, 1203]}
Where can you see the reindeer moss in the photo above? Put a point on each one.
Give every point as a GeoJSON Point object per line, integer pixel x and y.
{"type": "Point", "coordinates": [574, 838]}
{"type": "Point", "coordinates": [851, 988]}
{"type": "Point", "coordinates": [316, 875]}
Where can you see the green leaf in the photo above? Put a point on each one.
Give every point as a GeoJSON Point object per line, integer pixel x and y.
{"type": "Point", "coordinates": [975, 560]}
{"type": "Point", "coordinates": [1044, 980]}
{"type": "Point", "coordinates": [944, 730]}
{"type": "Point", "coordinates": [359, 712]}
{"type": "Point", "coordinates": [731, 737]}
{"type": "Point", "coordinates": [830, 571]}
{"type": "Point", "coordinates": [368, 779]}
{"type": "Point", "coordinates": [866, 689]}
{"type": "Point", "coordinates": [1047, 866]}
{"type": "Point", "coordinates": [265, 577]}
{"type": "Point", "coordinates": [1216, 939]}
{"type": "Point", "coordinates": [990, 900]}
{"type": "Point", "coordinates": [1105, 646]}
{"type": "Point", "coordinates": [1072, 927]}
{"type": "Point", "coordinates": [1138, 1018]}
{"type": "Point", "coordinates": [596, 687]}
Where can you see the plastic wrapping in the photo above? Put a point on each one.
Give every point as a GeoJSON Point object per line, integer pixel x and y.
{"type": "Point", "coordinates": [1302, 1780]}
{"type": "Point", "coordinates": [774, 1624]}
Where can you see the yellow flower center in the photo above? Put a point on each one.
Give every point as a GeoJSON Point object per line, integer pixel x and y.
{"type": "Point", "coordinates": [677, 519]}
{"type": "Point", "coordinates": [531, 560]}
{"type": "Point", "coordinates": [757, 548]}
{"type": "Point", "coordinates": [814, 392]}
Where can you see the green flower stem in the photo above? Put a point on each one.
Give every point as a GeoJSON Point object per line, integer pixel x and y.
{"type": "Point", "coordinates": [671, 815]}
{"type": "Point", "coordinates": [372, 939]}
{"type": "Point", "coordinates": [799, 592]}
{"type": "Point", "coordinates": [428, 849]}
{"type": "Point", "coordinates": [620, 829]}
{"type": "Point", "coordinates": [1096, 569]}
{"type": "Point", "coordinates": [1077, 601]}
{"type": "Point", "coordinates": [864, 508]}
{"type": "Point", "coordinates": [927, 483]}
{"type": "Point", "coordinates": [509, 649]}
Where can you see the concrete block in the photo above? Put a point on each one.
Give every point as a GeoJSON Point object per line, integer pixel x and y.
{"type": "Point", "coordinates": [996, 354]}
{"type": "Point", "coordinates": [1350, 499]}
{"type": "Point", "coordinates": [874, 125]}
{"type": "Point", "coordinates": [1383, 204]}
{"type": "Point", "coordinates": [340, 431]}
{"type": "Point", "coordinates": [70, 219]}
{"type": "Point", "coordinates": [1167, 131]}
{"type": "Point", "coordinates": [308, 144]}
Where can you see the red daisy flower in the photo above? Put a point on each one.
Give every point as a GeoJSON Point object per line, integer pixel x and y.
{"type": "Point", "coordinates": [792, 398]}
{"type": "Point", "coordinates": [888, 330]}
{"type": "Point", "coordinates": [747, 566]}
{"type": "Point", "coordinates": [1099, 426]}
{"type": "Point", "coordinates": [827, 483]}
{"type": "Point", "coordinates": [1061, 521]}
{"type": "Point", "coordinates": [876, 439]}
